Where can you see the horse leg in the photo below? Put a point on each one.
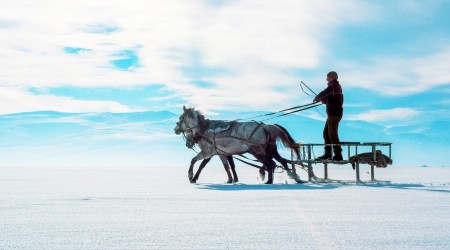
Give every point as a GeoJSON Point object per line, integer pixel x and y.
{"type": "Point", "coordinates": [273, 151]}
{"type": "Point", "coordinates": [233, 168]}
{"type": "Point", "coordinates": [198, 157]}
{"type": "Point", "coordinates": [261, 154]}
{"type": "Point", "coordinates": [269, 165]}
{"type": "Point", "coordinates": [277, 156]}
{"type": "Point", "coordinates": [224, 160]}
{"type": "Point", "coordinates": [200, 168]}
{"type": "Point", "coordinates": [262, 172]}
{"type": "Point", "coordinates": [291, 173]}
{"type": "Point", "coordinates": [270, 170]}
{"type": "Point", "coordinates": [191, 169]}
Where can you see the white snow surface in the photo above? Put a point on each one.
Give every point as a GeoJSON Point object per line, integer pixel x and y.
{"type": "Point", "coordinates": [157, 208]}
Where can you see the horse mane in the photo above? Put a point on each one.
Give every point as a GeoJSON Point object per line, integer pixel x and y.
{"type": "Point", "coordinates": [190, 113]}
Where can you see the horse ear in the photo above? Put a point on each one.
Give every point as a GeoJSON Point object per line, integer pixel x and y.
{"type": "Point", "coordinates": [184, 108]}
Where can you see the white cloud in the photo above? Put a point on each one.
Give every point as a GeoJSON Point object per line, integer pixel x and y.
{"type": "Point", "coordinates": [255, 41]}
{"type": "Point", "coordinates": [401, 76]}
{"type": "Point", "coordinates": [15, 100]}
{"type": "Point", "coordinates": [396, 114]}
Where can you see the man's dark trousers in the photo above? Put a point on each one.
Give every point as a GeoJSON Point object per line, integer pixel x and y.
{"type": "Point", "coordinates": [330, 135]}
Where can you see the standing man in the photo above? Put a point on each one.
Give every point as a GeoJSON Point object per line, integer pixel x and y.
{"type": "Point", "coordinates": [333, 97]}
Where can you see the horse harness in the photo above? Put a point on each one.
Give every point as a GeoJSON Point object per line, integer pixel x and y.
{"type": "Point", "coordinates": [214, 127]}
{"type": "Point", "coordinates": [225, 126]}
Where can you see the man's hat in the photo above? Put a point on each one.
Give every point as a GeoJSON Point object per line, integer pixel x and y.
{"type": "Point", "coordinates": [333, 74]}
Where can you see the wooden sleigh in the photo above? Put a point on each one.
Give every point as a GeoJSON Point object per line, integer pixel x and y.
{"type": "Point", "coordinates": [374, 158]}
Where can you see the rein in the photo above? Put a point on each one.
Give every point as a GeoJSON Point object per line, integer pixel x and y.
{"type": "Point", "coordinates": [311, 105]}
{"type": "Point", "coordinates": [291, 111]}
{"type": "Point", "coordinates": [301, 86]}
{"type": "Point", "coordinates": [314, 94]}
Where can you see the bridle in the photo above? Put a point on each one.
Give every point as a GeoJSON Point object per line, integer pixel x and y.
{"type": "Point", "coordinates": [187, 129]}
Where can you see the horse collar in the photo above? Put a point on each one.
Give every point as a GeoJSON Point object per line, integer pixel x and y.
{"type": "Point", "coordinates": [203, 127]}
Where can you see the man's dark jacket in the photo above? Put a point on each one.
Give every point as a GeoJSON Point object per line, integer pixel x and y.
{"type": "Point", "coordinates": [333, 97]}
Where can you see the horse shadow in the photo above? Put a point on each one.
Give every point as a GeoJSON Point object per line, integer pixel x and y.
{"type": "Point", "coordinates": [242, 186]}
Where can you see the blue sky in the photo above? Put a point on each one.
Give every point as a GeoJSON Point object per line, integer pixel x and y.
{"type": "Point", "coordinates": [393, 57]}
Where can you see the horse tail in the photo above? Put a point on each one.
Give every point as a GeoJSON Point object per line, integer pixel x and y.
{"type": "Point", "coordinates": [286, 139]}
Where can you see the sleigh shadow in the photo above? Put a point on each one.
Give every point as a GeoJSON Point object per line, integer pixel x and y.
{"type": "Point", "coordinates": [442, 188]}
{"type": "Point", "coordinates": [323, 186]}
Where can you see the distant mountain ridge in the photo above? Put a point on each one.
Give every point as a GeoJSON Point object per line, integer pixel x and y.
{"type": "Point", "coordinates": [147, 138]}
{"type": "Point", "coordinates": [133, 116]}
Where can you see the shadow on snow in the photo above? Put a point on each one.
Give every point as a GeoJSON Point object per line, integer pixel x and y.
{"type": "Point", "coordinates": [444, 188]}
{"type": "Point", "coordinates": [240, 186]}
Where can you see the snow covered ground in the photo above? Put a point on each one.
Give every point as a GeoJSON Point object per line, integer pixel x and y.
{"type": "Point", "coordinates": [130, 208]}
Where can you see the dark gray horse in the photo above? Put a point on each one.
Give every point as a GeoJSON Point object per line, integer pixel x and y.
{"type": "Point", "coordinates": [215, 137]}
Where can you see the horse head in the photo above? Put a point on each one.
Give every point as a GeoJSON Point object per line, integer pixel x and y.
{"type": "Point", "coordinates": [177, 129]}
{"type": "Point", "coordinates": [189, 124]}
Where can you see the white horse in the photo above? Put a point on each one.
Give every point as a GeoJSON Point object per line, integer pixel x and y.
{"type": "Point", "coordinates": [222, 138]}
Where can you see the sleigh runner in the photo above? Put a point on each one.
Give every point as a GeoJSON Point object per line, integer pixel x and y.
{"type": "Point", "coordinates": [374, 158]}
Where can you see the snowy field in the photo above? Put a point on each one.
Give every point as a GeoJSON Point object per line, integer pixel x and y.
{"type": "Point", "coordinates": [135, 208]}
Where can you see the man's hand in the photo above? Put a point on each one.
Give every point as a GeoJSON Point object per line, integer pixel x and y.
{"type": "Point", "coordinates": [323, 101]}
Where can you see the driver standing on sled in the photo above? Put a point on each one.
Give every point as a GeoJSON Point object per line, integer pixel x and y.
{"type": "Point", "coordinates": [333, 97]}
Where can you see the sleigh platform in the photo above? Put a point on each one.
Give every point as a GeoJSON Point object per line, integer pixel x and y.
{"type": "Point", "coordinates": [375, 154]}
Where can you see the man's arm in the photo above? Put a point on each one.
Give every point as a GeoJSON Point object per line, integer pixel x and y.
{"type": "Point", "coordinates": [326, 92]}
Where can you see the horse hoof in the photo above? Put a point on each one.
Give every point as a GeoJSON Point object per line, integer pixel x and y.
{"type": "Point", "coordinates": [262, 176]}
{"type": "Point", "coordinates": [268, 182]}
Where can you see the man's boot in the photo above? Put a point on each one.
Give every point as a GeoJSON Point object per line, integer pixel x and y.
{"type": "Point", "coordinates": [337, 153]}
{"type": "Point", "coordinates": [326, 155]}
